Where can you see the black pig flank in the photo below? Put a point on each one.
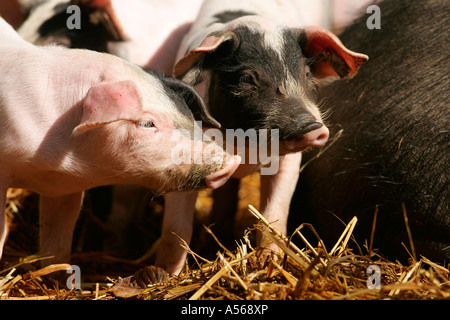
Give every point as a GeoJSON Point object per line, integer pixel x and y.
{"type": "Point", "coordinates": [395, 147]}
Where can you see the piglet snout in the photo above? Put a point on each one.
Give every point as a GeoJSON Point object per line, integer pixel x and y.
{"type": "Point", "coordinates": [315, 134]}
{"type": "Point", "coordinates": [310, 133]}
{"type": "Point", "coordinates": [219, 177]}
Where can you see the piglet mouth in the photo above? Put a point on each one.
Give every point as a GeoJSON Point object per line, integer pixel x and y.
{"type": "Point", "coordinates": [218, 178]}
{"type": "Point", "coordinates": [200, 176]}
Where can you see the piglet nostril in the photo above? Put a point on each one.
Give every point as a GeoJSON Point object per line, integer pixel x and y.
{"type": "Point", "coordinates": [318, 137]}
{"type": "Point", "coordinates": [310, 133]}
{"type": "Point", "coordinates": [308, 127]}
{"type": "Point", "coordinates": [303, 125]}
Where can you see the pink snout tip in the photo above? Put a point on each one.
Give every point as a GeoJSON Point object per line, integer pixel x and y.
{"type": "Point", "coordinates": [315, 139]}
{"type": "Point", "coordinates": [219, 177]}
{"type": "Point", "coordinates": [318, 137]}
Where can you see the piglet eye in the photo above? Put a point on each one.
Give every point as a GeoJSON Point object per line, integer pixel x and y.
{"type": "Point", "coordinates": [308, 74]}
{"type": "Point", "coordinates": [247, 79]}
{"type": "Point", "coordinates": [145, 124]}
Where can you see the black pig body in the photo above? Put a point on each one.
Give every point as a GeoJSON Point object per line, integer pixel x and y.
{"type": "Point", "coordinates": [395, 147]}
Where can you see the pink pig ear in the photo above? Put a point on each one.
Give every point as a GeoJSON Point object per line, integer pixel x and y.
{"type": "Point", "coordinates": [330, 56]}
{"type": "Point", "coordinates": [109, 102]}
{"type": "Point", "coordinates": [208, 45]}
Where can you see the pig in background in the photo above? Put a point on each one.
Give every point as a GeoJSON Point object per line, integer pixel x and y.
{"type": "Point", "coordinates": [395, 146]}
{"type": "Point", "coordinates": [12, 11]}
{"type": "Point", "coordinates": [144, 32]}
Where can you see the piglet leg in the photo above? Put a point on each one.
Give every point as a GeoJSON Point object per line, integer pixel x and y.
{"type": "Point", "coordinates": [170, 257]}
{"type": "Point", "coordinates": [178, 220]}
{"type": "Point", "coordinates": [58, 216]}
{"type": "Point", "coordinates": [276, 194]}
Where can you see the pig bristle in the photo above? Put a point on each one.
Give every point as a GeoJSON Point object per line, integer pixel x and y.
{"type": "Point", "coordinates": [193, 180]}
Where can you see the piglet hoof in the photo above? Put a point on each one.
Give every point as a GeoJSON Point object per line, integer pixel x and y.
{"type": "Point", "coordinates": [138, 282]}
{"type": "Point", "coordinates": [267, 254]}
{"type": "Point", "coordinates": [265, 257]}
{"type": "Point", "coordinates": [149, 275]}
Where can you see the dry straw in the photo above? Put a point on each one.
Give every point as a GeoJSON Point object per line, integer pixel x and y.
{"type": "Point", "coordinates": [296, 271]}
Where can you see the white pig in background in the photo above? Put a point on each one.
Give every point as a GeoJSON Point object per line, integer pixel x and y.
{"type": "Point", "coordinates": [256, 66]}
{"type": "Point", "coordinates": [73, 119]}
{"type": "Point", "coordinates": [144, 32]}
{"type": "Point", "coordinates": [334, 15]}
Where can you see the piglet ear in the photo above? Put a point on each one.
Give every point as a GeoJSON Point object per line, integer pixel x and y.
{"type": "Point", "coordinates": [193, 58]}
{"type": "Point", "coordinates": [192, 100]}
{"type": "Point", "coordinates": [330, 56]}
{"type": "Point", "coordinates": [109, 102]}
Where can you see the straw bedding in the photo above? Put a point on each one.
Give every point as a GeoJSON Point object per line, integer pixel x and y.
{"type": "Point", "coordinates": [306, 271]}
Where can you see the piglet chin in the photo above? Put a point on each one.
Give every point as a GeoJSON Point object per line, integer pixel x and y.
{"type": "Point", "coordinates": [219, 177]}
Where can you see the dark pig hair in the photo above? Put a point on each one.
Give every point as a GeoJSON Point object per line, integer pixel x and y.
{"type": "Point", "coordinates": [395, 147]}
